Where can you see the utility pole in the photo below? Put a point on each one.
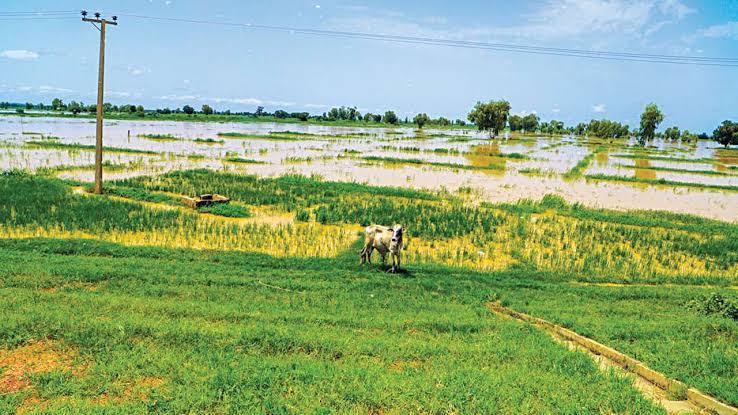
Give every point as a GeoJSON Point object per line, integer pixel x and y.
{"type": "Point", "coordinates": [100, 82]}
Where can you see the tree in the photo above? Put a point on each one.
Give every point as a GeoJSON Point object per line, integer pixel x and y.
{"type": "Point", "coordinates": [57, 104]}
{"type": "Point", "coordinates": [207, 109]}
{"type": "Point", "coordinates": [302, 116]}
{"type": "Point", "coordinates": [490, 116]}
{"type": "Point", "coordinates": [650, 120]}
{"type": "Point", "coordinates": [516, 123]}
{"type": "Point", "coordinates": [443, 121]}
{"type": "Point", "coordinates": [259, 111]}
{"type": "Point", "coordinates": [726, 134]}
{"type": "Point", "coordinates": [390, 117]}
{"type": "Point", "coordinates": [74, 107]}
{"type": "Point", "coordinates": [688, 137]}
{"type": "Point", "coordinates": [672, 133]}
{"type": "Point", "coordinates": [188, 110]}
{"type": "Point", "coordinates": [29, 106]}
{"type": "Point", "coordinates": [281, 114]}
{"type": "Point", "coordinates": [530, 122]}
{"type": "Point", "coordinates": [421, 119]}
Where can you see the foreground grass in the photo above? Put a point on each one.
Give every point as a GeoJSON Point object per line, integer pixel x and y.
{"type": "Point", "coordinates": [216, 332]}
{"type": "Point", "coordinates": [652, 324]}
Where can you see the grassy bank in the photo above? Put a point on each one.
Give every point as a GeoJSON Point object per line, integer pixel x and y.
{"type": "Point", "coordinates": [140, 330]}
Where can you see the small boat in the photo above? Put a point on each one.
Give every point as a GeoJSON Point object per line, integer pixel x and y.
{"type": "Point", "coordinates": [204, 200]}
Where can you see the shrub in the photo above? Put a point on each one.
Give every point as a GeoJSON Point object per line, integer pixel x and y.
{"type": "Point", "coordinates": [715, 304]}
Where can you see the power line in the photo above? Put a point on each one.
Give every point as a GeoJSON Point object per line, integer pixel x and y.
{"type": "Point", "coordinates": [537, 50]}
{"type": "Point", "coordinates": [33, 13]}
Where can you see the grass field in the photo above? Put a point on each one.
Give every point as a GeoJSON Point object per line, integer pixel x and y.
{"type": "Point", "coordinates": [138, 305]}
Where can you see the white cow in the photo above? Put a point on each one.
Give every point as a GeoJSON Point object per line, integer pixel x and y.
{"type": "Point", "coordinates": [384, 239]}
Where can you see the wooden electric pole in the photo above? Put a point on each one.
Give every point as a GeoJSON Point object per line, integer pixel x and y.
{"type": "Point", "coordinates": [100, 83]}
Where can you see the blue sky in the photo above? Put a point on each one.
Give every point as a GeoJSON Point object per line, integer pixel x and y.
{"type": "Point", "coordinates": [162, 64]}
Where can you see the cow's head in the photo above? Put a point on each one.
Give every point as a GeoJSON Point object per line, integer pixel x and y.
{"type": "Point", "coordinates": [396, 236]}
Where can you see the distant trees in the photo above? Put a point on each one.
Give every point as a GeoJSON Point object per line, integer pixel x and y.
{"type": "Point", "coordinates": [390, 117]}
{"type": "Point", "coordinates": [259, 111]}
{"type": "Point", "coordinates": [442, 121]}
{"type": "Point", "coordinates": [207, 109]}
{"type": "Point", "coordinates": [188, 110]}
{"type": "Point", "coordinates": [726, 134]}
{"type": "Point", "coordinates": [369, 117]}
{"type": "Point", "coordinates": [688, 137]}
{"type": "Point", "coordinates": [421, 119]}
{"type": "Point", "coordinates": [302, 116]}
{"type": "Point", "coordinates": [74, 107]}
{"type": "Point", "coordinates": [281, 114]}
{"type": "Point", "coordinates": [606, 129]}
{"type": "Point", "coordinates": [650, 120]}
{"type": "Point", "coordinates": [530, 122]}
{"type": "Point", "coordinates": [343, 113]}
{"type": "Point", "coordinates": [57, 104]}
{"type": "Point", "coordinates": [515, 122]}
{"type": "Point", "coordinates": [490, 116]}
{"type": "Point", "coordinates": [672, 134]}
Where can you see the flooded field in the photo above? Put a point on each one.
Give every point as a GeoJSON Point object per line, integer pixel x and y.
{"type": "Point", "coordinates": [686, 178]}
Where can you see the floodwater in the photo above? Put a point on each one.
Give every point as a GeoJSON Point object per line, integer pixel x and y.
{"type": "Point", "coordinates": [337, 153]}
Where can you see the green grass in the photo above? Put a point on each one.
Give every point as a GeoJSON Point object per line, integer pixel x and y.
{"type": "Point", "coordinates": [412, 161]}
{"type": "Point", "coordinates": [245, 332]}
{"type": "Point", "coordinates": [663, 182]}
{"type": "Point", "coordinates": [160, 137]}
{"type": "Point", "coordinates": [259, 136]}
{"type": "Point", "coordinates": [675, 170]}
{"type": "Point", "coordinates": [208, 141]}
{"type": "Point", "coordinates": [652, 324]}
{"type": "Point", "coordinates": [254, 334]}
{"type": "Point", "coordinates": [664, 158]}
{"type": "Point", "coordinates": [229, 210]}
{"type": "Point", "coordinates": [84, 147]}
{"type": "Point", "coordinates": [243, 160]}
{"type": "Point", "coordinates": [578, 170]}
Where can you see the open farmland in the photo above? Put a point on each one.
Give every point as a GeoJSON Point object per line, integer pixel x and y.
{"type": "Point", "coordinates": [138, 304]}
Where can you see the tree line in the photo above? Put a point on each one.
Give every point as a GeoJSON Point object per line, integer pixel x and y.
{"type": "Point", "coordinates": [492, 116]}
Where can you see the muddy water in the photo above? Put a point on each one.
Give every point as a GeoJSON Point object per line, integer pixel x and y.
{"type": "Point", "coordinates": [340, 158]}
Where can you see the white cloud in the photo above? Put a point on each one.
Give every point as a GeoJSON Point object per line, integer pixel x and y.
{"type": "Point", "coordinates": [556, 110]}
{"type": "Point", "coordinates": [552, 20]}
{"type": "Point", "coordinates": [138, 70]}
{"type": "Point", "coordinates": [727, 30]}
{"type": "Point", "coordinates": [177, 97]}
{"type": "Point", "coordinates": [20, 54]}
{"type": "Point", "coordinates": [675, 8]}
{"type": "Point", "coordinates": [118, 94]}
{"type": "Point", "coordinates": [599, 108]}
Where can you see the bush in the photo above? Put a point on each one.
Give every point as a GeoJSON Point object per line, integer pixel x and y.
{"type": "Point", "coordinates": [715, 304]}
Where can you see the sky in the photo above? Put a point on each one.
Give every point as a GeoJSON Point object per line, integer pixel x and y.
{"type": "Point", "coordinates": [170, 64]}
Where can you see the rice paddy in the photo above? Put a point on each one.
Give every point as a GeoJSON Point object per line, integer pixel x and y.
{"type": "Point", "coordinates": [139, 304]}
